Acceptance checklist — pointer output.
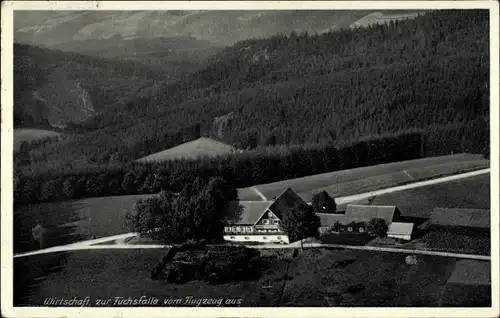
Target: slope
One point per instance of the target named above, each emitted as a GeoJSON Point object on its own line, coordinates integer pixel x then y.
{"type": "Point", "coordinates": [59, 87]}
{"type": "Point", "coordinates": [429, 74]}
{"type": "Point", "coordinates": [222, 27]}
{"type": "Point", "coordinates": [191, 150]}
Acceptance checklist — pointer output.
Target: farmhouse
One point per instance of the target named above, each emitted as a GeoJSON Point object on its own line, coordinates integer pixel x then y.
{"type": "Point", "coordinates": [260, 221]}
{"type": "Point", "coordinates": [356, 218]}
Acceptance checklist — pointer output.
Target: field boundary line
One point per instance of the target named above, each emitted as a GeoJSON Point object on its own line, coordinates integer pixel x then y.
{"type": "Point", "coordinates": [263, 197]}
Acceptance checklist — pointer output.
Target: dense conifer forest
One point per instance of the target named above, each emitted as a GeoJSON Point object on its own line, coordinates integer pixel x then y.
{"type": "Point", "coordinates": [301, 104]}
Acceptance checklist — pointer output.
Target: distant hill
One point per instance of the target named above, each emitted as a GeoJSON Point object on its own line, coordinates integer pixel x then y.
{"type": "Point", "coordinates": [429, 73]}
{"type": "Point", "coordinates": [54, 87]}
{"type": "Point", "coordinates": [191, 150]}
{"type": "Point", "coordinates": [62, 28]}
{"type": "Point", "coordinates": [28, 135]}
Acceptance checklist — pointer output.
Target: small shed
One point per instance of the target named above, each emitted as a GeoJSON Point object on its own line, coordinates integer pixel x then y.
{"type": "Point", "coordinates": [400, 230]}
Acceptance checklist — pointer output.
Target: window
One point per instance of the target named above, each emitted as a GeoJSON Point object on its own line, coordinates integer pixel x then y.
{"type": "Point", "coordinates": [265, 222]}
{"type": "Point", "coordinates": [233, 229]}
{"type": "Point", "coordinates": [349, 229]}
{"type": "Point", "coordinates": [361, 230]}
{"type": "Point", "coordinates": [226, 229]}
{"type": "Point", "coordinates": [276, 221]}
{"type": "Point", "coordinates": [249, 229]}
{"type": "Point", "coordinates": [238, 229]}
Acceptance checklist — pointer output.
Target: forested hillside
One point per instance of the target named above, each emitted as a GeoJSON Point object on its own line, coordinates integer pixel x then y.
{"type": "Point", "coordinates": [56, 88]}
{"type": "Point", "coordinates": [428, 72]}
{"type": "Point", "coordinates": [413, 89]}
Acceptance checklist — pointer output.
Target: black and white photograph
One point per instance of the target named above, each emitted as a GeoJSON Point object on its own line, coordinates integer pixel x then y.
{"type": "Point", "coordinates": [274, 156]}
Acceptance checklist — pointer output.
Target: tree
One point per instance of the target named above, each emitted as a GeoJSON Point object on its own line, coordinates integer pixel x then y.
{"type": "Point", "coordinates": [196, 213]}
{"type": "Point", "coordinates": [301, 222]}
{"type": "Point", "coordinates": [377, 227]}
{"type": "Point", "coordinates": [69, 187]}
{"type": "Point", "coordinates": [322, 202]}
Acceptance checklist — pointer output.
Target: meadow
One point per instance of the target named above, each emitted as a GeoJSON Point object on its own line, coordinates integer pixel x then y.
{"type": "Point", "coordinates": [74, 220]}
{"type": "Point", "coordinates": [190, 150]}
{"type": "Point", "coordinates": [314, 278]}
{"type": "Point", "coordinates": [30, 134]}
{"type": "Point", "coordinates": [71, 221]}
{"type": "Point", "coordinates": [473, 192]}
{"type": "Point", "coordinates": [359, 180]}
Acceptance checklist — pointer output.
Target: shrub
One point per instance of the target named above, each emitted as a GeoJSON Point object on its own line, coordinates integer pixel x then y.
{"type": "Point", "coordinates": [378, 227]}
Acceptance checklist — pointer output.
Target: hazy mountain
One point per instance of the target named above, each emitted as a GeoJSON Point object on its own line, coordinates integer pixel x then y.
{"type": "Point", "coordinates": [222, 27]}
{"type": "Point", "coordinates": [171, 43]}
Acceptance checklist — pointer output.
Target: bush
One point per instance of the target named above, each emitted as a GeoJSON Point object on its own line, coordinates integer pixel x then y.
{"type": "Point", "coordinates": [215, 267]}
{"type": "Point", "coordinates": [377, 227]}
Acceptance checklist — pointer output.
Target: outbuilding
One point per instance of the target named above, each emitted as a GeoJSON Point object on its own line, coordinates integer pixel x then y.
{"type": "Point", "coordinates": [400, 230]}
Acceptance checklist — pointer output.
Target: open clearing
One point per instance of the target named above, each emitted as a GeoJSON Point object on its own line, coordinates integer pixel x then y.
{"type": "Point", "coordinates": [29, 134]}
{"type": "Point", "coordinates": [473, 192]}
{"type": "Point", "coordinates": [347, 182]}
{"type": "Point", "coordinates": [70, 221]}
{"type": "Point", "coordinates": [314, 278]}
{"type": "Point", "coordinates": [190, 150]}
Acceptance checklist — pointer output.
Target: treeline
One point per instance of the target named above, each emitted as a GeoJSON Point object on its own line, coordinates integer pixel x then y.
{"type": "Point", "coordinates": [22, 155]}
{"type": "Point", "coordinates": [241, 170]}
{"type": "Point", "coordinates": [307, 89]}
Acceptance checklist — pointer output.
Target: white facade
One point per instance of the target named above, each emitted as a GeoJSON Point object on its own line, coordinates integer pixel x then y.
{"type": "Point", "coordinates": [400, 230]}
{"type": "Point", "coordinates": [280, 238]}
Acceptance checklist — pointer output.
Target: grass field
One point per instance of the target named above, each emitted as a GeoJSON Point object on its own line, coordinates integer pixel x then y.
{"type": "Point", "coordinates": [468, 285]}
{"type": "Point", "coordinates": [314, 278]}
{"type": "Point", "coordinates": [353, 181]}
{"type": "Point", "coordinates": [70, 221]}
{"type": "Point", "coordinates": [190, 150]}
{"type": "Point", "coordinates": [28, 134]}
{"type": "Point", "coordinates": [473, 192]}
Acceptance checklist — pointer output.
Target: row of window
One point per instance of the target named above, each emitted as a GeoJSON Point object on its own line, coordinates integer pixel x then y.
{"type": "Point", "coordinates": [349, 229]}
{"type": "Point", "coordinates": [247, 238]}
{"type": "Point", "coordinates": [246, 229]}
{"type": "Point", "coordinates": [266, 221]}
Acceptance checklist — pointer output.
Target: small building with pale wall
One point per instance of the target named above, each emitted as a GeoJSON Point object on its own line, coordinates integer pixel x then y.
{"type": "Point", "coordinates": [356, 218]}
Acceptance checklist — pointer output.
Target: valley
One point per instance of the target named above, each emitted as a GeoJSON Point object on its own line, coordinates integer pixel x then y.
{"type": "Point", "coordinates": [306, 158]}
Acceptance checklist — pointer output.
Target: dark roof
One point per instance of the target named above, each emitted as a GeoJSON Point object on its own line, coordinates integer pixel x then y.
{"type": "Point", "coordinates": [359, 213]}
{"type": "Point", "coordinates": [249, 212]}
{"type": "Point", "coordinates": [364, 213]}
{"type": "Point", "coordinates": [329, 219]}
{"type": "Point", "coordinates": [286, 202]}
{"type": "Point", "coordinates": [461, 217]}
{"type": "Point", "coordinates": [246, 212]}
